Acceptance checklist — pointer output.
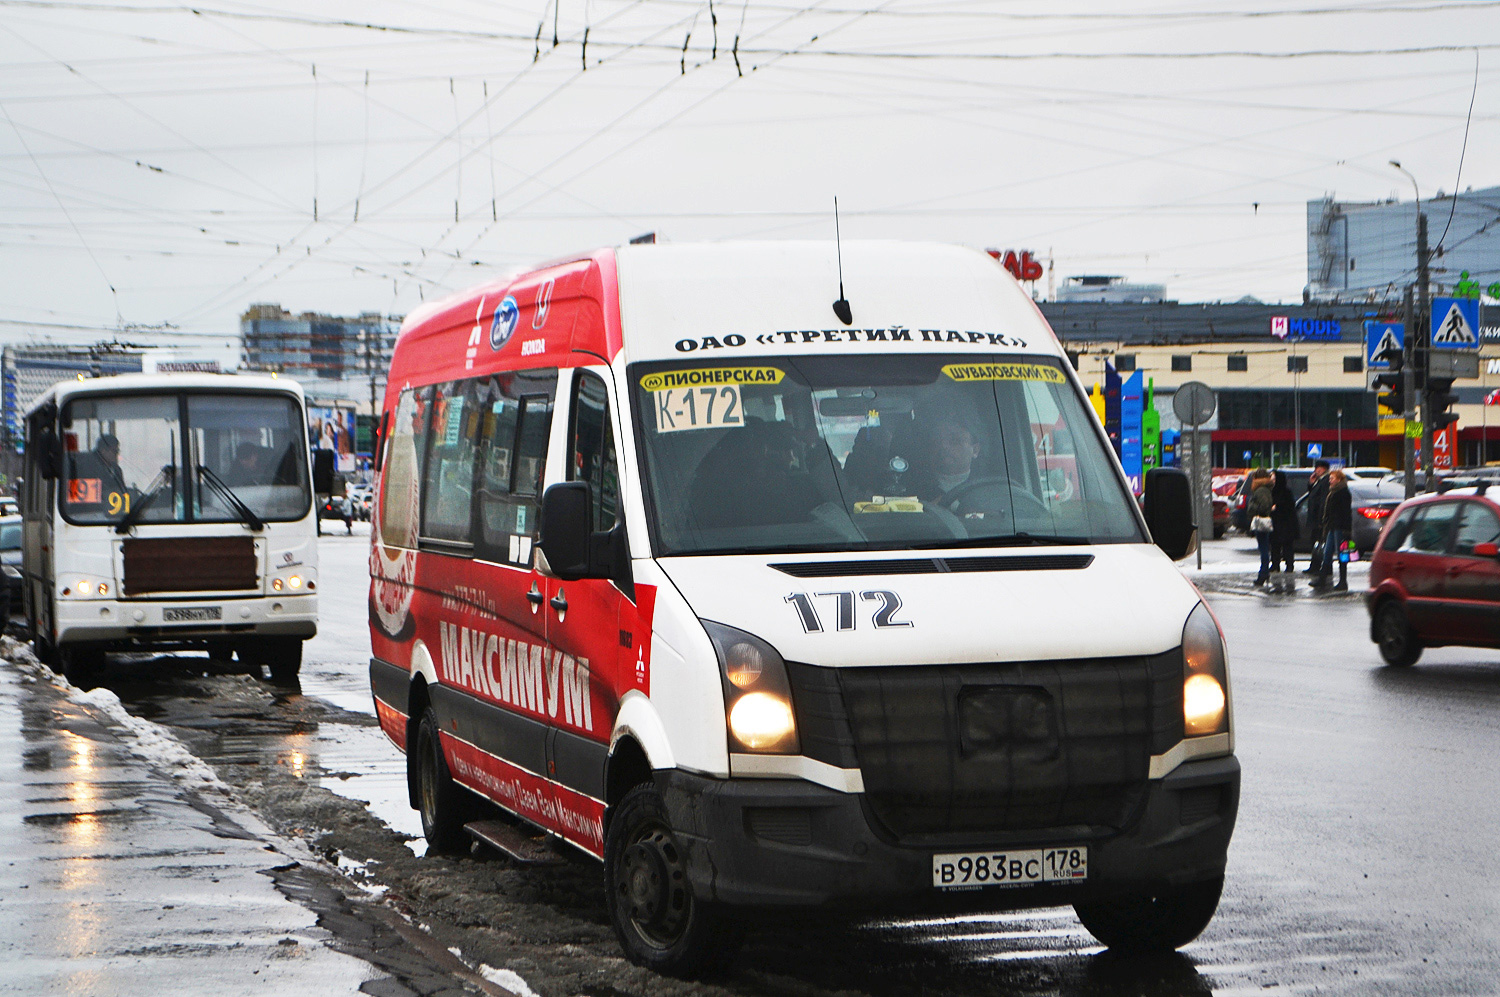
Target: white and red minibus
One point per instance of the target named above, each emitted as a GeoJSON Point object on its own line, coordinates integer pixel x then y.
{"type": "Point", "coordinates": [768, 600]}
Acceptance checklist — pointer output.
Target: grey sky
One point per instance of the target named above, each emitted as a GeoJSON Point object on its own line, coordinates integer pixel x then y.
{"type": "Point", "coordinates": [177, 156]}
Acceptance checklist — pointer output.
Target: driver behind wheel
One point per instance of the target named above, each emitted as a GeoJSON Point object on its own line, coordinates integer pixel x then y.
{"type": "Point", "coordinates": [945, 463]}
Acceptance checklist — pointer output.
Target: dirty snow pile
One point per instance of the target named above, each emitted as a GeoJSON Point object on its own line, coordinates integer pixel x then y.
{"type": "Point", "coordinates": [150, 742]}
{"type": "Point", "coordinates": [507, 978]}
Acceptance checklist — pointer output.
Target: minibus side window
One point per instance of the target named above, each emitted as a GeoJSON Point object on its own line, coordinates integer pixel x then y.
{"type": "Point", "coordinates": [516, 414]}
{"type": "Point", "coordinates": [448, 481]}
{"type": "Point", "coordinates": [399, 495]}
{"type": "Point", "coordinates": [593, 450]}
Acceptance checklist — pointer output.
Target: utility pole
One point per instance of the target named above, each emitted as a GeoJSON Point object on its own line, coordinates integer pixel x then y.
{"type": "Point", "coordinates": [1409, 391]}
{"type": "Point", "coordinates": [1422, 333]}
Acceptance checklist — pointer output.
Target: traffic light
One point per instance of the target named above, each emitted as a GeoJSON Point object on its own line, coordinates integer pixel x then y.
{"type": "Point", "coordinates": [1440, 398]}
{"type": "Point", "coordinates": [1390, 385]}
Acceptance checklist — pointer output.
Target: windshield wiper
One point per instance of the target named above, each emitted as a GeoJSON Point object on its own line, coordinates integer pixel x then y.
{"type": "Point", "coordinates": [1022, 539]}
{"type": "Point", "coordinates": [228, 495]}
{"type": "Point", "coordinates": [164, 477]}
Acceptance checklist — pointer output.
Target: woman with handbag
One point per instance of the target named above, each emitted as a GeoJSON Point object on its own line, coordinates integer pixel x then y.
{"type": "Point", "coordinates": [1258, 508]}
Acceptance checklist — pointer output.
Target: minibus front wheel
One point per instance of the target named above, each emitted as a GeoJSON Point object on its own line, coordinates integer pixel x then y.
{"type": "Point", "coordinates": [1158, 922]}
{"type": "Point", "coordinates": [659, 922]}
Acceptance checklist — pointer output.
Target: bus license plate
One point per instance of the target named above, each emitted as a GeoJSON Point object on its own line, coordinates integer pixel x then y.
{"type": "Point", "coordinates": [192, 614]}
{"type": "Point", "coordinates": [972, 870]}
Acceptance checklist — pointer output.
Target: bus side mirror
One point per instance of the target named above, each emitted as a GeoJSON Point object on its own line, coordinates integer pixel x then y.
{"type": "Point", "coordinates": [1486, 550]}
{"type": "Point", "coordinates": [1169, 511]}
{"type": "Point", "coordinates": [565, 529]}
{"type": "Point", "coordinates": [323, 461]}
{"type": "Point", "coordinates": [50, 463]}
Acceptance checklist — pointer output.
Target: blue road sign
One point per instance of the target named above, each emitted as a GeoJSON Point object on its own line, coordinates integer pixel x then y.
{"type": "Point", "coordinates": [1455, 323]}
{"type": "Point", "coordinates": [1314, 451]}
{"type": "Point", "coordinates": [1380, 336]}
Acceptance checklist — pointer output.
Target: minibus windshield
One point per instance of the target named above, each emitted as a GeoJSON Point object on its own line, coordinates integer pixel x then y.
{"type": "Point", "coordinates": [162, 458]}
{"type": "Point", "coordinates": [861, 452]}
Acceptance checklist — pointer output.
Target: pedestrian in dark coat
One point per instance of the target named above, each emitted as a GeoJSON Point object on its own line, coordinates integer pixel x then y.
{"type": "Point", "coordinates": [1338, 519]}
{"type": "Point", "coordinates": [1258, 510]}
{"type": "Point", "coordinates": [1317, 498]}
{"type": "Point", "coordinates": [1283, 523]}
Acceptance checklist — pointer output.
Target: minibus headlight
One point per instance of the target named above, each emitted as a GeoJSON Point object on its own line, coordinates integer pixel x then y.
{"type": "Point", "coordinates": [277, 585]}
{"type": "Point", "coordinates": [1205, 676]}
{"type": "Point", "coordinates": [295, 581]}
{"type": "Point", "coordinates": [83, 587]}
{"type": "Point", "coordinates": [757, 696]}
{"type": "Point", "coordinates": [103, 588]}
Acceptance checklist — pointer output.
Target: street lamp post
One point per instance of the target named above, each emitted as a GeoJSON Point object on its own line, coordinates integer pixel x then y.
{"type": "Point", "coordinates": [1414, 320]}
{"type": "Point", "coordinates": [1341, 435]}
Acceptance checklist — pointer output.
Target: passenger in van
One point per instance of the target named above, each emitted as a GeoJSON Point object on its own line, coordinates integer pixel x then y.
{"type": "Point", "coordinates": [753, 477]}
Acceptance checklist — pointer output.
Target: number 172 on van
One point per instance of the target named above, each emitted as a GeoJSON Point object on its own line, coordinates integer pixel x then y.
{"type": "Point", "coordinates": [971, 870]}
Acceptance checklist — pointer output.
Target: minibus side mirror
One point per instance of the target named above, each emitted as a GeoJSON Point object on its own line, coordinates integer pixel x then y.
{"type": "Point", "coordinates": [565, 529]}
{"type": "Point", "coordinates": [572, 550]}
{"type": "Point", "coordinates": [1169, 511]}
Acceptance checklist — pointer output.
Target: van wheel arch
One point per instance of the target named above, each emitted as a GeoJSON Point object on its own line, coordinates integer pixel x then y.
{"type": "Point", "coordinates": [626, 768]}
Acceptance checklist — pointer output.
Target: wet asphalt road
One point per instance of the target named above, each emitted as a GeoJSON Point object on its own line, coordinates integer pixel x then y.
{"type": "Point", "coordinates": [1364, 861]}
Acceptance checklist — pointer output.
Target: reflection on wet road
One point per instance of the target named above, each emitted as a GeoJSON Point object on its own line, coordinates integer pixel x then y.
{"type": "Point", "coordinates": [1360, 865]}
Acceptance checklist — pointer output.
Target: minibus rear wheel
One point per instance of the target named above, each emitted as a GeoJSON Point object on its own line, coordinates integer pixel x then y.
{"type": "Point", "coordinates": [1159, 922]}
{"type": "Point", "coordinates": [659, 922]}
{"type": "Point", "coordinates": [444, 805]}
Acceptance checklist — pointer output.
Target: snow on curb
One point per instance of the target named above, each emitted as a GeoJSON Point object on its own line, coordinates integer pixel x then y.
{"type": "Point", "coordinates": [152, 743]}
{"type": "Point", "coordinates": [507, 978]}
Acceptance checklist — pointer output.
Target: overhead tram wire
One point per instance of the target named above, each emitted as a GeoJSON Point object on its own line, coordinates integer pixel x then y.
{"type": "Point", "coordinates": [1468, 120]}
{"type": "Point", "coordinates": [114, 294]}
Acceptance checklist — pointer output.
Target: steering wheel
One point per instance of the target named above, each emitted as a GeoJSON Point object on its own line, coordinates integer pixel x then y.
{"type": "Point", "coordinates": [991, 494]}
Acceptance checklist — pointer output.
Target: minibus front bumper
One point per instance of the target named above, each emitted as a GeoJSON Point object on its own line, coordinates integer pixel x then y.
{"type": "Point", "coordinates": [791, 843]}
{"type": "Point", "coordinates": [129, 623]}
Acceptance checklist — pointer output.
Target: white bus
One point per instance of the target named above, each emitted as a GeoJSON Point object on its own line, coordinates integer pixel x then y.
{"type": "Point", "coordinates": [170, 511]}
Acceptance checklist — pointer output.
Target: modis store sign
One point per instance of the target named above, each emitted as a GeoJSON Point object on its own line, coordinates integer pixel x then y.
{"type": "Point", "coordinates": [1283, 327]}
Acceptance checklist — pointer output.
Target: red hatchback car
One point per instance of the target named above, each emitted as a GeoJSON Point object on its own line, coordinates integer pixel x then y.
{"type": "Point", "coordinates": [1435, 576]}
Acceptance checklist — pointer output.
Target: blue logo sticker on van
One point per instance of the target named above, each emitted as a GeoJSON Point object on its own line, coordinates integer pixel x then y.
{"type": "Point", "coordinates": [507, 314]}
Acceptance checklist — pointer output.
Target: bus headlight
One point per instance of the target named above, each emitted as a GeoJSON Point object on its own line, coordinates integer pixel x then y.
{"type": "Point", "coordinates": [1205, 676]}
{"type": "Point", "coordinates": [757, 695]}
{"type": "Point", "coordinates": [294, 582]}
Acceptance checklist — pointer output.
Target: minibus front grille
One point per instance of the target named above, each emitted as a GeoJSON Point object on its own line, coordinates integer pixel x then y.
{"type": "Point", "coordinates": [188, 564]}
{"type": "Point", "coordinates": [961, 751]}
{"type": "Point", "coordinates": [936, 565]}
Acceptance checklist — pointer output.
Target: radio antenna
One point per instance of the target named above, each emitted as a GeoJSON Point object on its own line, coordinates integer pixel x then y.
{"type": "Point", "coordinates": [840, 307]}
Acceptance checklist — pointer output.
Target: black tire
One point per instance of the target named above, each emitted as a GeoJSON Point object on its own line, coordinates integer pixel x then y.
{"type": "Point", "coordinates": [284, 659]}
{"type": "Point", "coordinates": [659, 923]}
{"type": "Point", "coordinates": [81, 665]}
{"type": "Point", "coordinates": [46, 653]}
{"type": "Point", "coordinates": [1398, 642]}
{"type": "Point", "coordinates": [444, 805]}
{"type": "Point", "coordinates": [221, 651]}
{"type": "Point", "coordinates": [1159, 923]}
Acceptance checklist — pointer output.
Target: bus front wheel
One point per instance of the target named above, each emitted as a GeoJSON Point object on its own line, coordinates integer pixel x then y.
{"type": "Point", "coordinates": [81, 665]}
{"type": "Point", "coordinates": [282, 656]}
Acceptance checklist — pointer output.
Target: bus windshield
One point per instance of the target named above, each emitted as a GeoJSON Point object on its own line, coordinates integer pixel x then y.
{"type": "Point", "coordinates": [196, 457]}
{"type": "Point", "coordinates": [862, 452]}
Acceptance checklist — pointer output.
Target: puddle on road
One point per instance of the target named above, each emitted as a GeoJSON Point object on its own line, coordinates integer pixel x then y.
{"type": "Point", "coordinates": [312, 735]}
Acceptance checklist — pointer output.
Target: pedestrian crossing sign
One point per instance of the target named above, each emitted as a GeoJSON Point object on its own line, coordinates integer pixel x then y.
{"type": "Point", "coordinates": [1379, 338]}
{"type": "Point", "coordinates": [1455, 323]}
